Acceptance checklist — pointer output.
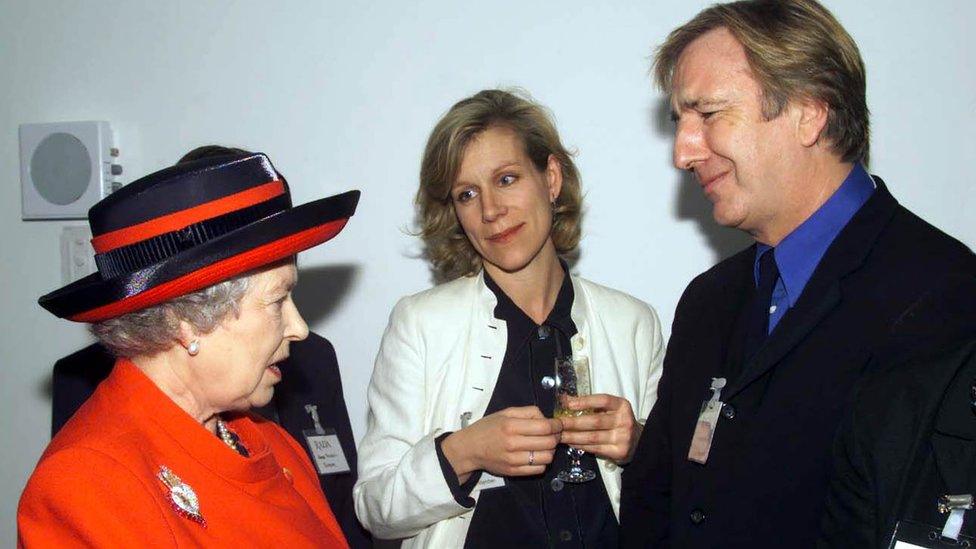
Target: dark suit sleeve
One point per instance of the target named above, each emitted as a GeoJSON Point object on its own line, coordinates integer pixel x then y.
{"type": "Point", "coordinates": [849, 518]}
{"type": "Point", "coordinates": [645, 495]}
{"type": "Point", "coordinates": [316, 380]}
{"type": "Point", "coordinates": [74, 379]}
{"type": "Point", "coordinates": [860, 505]}
{"type": "Point", "coordinates": [645, 498]}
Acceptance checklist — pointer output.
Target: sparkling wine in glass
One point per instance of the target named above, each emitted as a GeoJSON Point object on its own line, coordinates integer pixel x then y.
{"type": "Point", "coordinates": [572, 380]}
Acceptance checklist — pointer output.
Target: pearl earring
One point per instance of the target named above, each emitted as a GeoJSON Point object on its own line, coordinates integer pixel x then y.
{"type": "Point", "coordinates": [193, 348]}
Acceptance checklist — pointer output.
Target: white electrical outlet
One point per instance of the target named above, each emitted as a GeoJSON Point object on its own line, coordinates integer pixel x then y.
{"type": "Point", "coordinates": [77, 255]}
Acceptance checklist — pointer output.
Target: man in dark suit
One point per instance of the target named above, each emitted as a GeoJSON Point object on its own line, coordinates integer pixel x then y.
{"type": "Point", "coordinates": [312, 378]}
{"type": "Point", "coordinates": [909, 440]}
{"type": "Point", "coordinates": [771, 117]}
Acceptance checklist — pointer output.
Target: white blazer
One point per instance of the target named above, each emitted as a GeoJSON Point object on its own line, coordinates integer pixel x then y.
{"type": "Point", "coordinates": [439, 358]}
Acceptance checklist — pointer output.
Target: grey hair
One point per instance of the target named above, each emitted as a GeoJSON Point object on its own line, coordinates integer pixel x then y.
{"type": "Point", "coordinates": [154, 329]}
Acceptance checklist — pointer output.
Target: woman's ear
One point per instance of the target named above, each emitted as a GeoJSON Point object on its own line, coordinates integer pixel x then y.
{"type": "Point", "coordinates": [188, 337]}
{"type": "Point", "coordinates": [554, 177]}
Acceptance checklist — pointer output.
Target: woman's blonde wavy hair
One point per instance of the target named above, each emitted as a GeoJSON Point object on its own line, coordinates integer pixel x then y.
{"type": "Point", "coordinates": [446, 246]}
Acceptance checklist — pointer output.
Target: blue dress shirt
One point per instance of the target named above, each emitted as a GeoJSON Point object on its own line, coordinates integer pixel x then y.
{"type": "Point", "coordinates": [798, 255]}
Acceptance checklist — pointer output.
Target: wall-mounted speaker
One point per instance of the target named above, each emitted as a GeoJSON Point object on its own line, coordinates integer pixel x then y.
{"type": "Point", "coordinates": [65, 168]}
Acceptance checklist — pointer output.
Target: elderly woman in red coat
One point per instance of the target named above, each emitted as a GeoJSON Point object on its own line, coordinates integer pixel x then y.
{"type": "Point", "coordinates": [196, 268]}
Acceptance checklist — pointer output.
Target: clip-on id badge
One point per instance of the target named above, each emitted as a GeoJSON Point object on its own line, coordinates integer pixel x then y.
{"type": "Point", "coordinates": [909, 534]}
{"type": "Point", "coordinates": [701, 441]}
{"type": "Point", "coordinates": [915, 535]}
{"type": "Point", "coordinates": [325, 447]}
{"type": "Point", "coordinates": [487, 481]}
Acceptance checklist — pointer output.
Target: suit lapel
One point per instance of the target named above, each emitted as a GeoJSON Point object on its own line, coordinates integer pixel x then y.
{"type": "Point", "coordinates": [788, 334]}
{"type": "Point", "coordinates": [824, 292]}
{"type": "Point", "coordinates": [487, 351]}
{"type": "Point", "coordinates": [737, 291]}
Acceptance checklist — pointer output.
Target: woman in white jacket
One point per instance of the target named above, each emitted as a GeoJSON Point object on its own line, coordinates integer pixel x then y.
{"type": "Point", "coordinates": [461, 448]}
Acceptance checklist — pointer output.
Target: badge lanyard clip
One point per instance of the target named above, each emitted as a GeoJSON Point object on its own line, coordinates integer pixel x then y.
{"type": "Point", "coordinates": [701, 439]}
{"type": "Point", "coordinates": [313, 411]}
{"type": "Point", "coordinates": [718, 383]}
{"type": "Point", "coordinates": [956, 506]}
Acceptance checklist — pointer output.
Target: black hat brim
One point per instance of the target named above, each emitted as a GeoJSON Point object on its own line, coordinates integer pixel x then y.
{"type": "Point", "coordinates": [93, 298]}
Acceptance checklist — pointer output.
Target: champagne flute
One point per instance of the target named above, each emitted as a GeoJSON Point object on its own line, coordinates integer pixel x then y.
{"type": "Point", "coordinates": [572, 380]}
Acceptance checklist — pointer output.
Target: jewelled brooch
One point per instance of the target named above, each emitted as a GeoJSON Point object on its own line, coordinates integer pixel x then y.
{"type": "Point", "coordinates": [181, 496]}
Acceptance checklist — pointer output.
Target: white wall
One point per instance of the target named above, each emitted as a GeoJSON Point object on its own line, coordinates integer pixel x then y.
{"type": "Point", "coordinates": [342, 95]}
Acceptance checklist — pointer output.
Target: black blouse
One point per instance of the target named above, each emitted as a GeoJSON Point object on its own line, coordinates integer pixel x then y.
{"type": "Point", "coordinates": [538, 511]}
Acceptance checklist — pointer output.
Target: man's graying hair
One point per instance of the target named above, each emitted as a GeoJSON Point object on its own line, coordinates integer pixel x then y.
{"type": "Point", "coordinates": [796, 50]}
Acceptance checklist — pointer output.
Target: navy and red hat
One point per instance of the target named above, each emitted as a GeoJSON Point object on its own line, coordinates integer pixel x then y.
{"type": "Point", "coordinates": [191, 226]}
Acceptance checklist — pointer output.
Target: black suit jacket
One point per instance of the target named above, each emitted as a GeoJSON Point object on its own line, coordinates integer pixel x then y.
{"type": "Point", "coordinates": [909, 438]}
{"type": "Point", "coordinates": [767, 474]}
{"type": "Point", "coordinates": [311, 376]}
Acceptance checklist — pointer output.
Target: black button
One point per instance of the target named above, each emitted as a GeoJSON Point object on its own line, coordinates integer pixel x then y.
{"type": "Point", "coordinates": [544, 332]}
{"type": "Point", "coordinates": [697, 516]}
{"type": "Point", "coordinates": [565, 535]}
{"type": "Point", "coordinates": [556, 485]}
{"type": "Point", "coordinates": [728, 411]}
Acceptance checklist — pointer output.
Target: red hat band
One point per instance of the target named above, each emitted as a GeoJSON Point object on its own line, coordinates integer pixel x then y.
{"type": "Point", "coordinates": [138, 246]}
{"type": "Point", "coordinates": [190, 226]}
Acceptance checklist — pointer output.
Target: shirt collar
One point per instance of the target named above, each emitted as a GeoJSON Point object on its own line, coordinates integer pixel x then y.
{"type": "Point", "coordinates": [798, 255]}
{"type": "Point", "coordinates": [559, 316]}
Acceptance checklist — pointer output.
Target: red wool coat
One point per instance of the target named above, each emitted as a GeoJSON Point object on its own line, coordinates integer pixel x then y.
{"type": "Point", "coordinates": [98, 483]}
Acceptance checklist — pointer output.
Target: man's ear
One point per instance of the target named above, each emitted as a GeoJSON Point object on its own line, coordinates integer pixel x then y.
{"type": "Point", "coordinates": [811, 120]}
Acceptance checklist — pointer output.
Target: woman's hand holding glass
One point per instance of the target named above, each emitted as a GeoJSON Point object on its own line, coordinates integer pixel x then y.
{"type": "Point", "coordinates": [518, 441]}
{"type": "Point", "coordinates": [610, 431]}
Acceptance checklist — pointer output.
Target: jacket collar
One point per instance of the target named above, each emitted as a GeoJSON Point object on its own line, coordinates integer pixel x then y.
{"type": "Point", "coordinates": [485, 350]}
{"type": "Point", "coordinates": [487, 301]}
{"type": "Point", "coordinates": [489, 352]}
{"type": "Point", "coordinates": [151, 411]}
{"type": "Point", "coordinates": [824, 292]}
{"type": "Point", "coordinates": [581, 310]}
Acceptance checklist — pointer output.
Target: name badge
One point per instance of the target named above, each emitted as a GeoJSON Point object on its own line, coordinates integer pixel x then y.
{"type": "Point", "coordinates": [701, 440]}
{"type": "Point", "coordinates": [488, 481]}
{"type": "Point", "coordinates": [326, 451]}
{"type": "Point", "coordinates": [915, 535]}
